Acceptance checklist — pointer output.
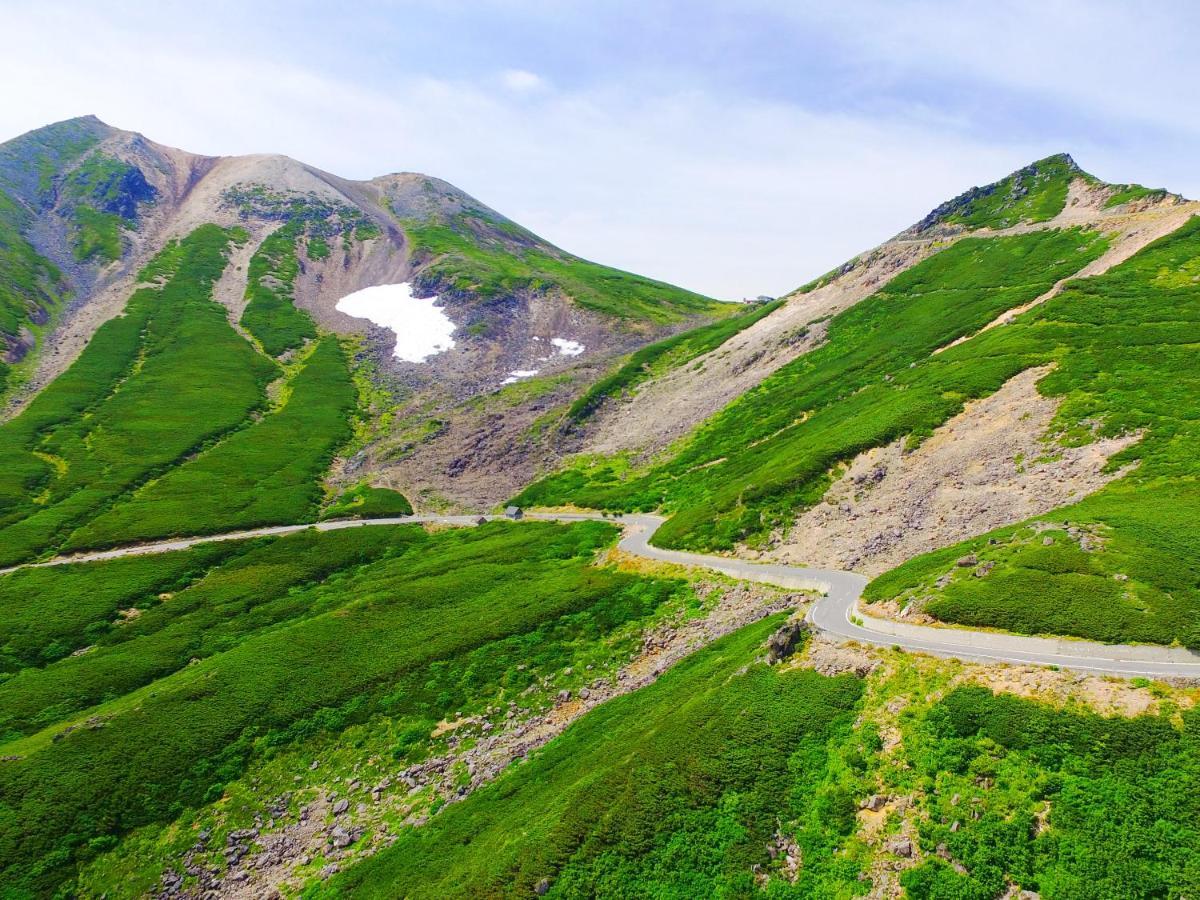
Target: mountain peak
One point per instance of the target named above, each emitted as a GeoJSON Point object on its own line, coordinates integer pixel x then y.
{"type": "Point", "coordinates": [1035, 193]}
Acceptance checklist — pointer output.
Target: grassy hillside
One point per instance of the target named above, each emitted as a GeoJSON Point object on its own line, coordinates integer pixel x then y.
{"type": "Point", "coordinates": [1121, 346]}
{"type": "Point", "coordinates": [748, 469]}
{"type": "Point", "coordinates": [153, 386]}
{"type": "Point", "coordinates": [268, 473]}
{"type": "Point", "coordinates": [1036, 193]}
{"type": "Point", "coordinates": [288, 641]}
{"type": "Point", "coordinates": [489, 259]}
{"type": "Point", "coordinates": [679, 790]}
{"type": "Point", "coordinates": [31, 287]}
{"type": "Point", "coordinates": [104, 196]}
{"type": "Point", "coordinates": [270, 315]}
{"type": "Point", "coordinates": [675, 790]}
{"type": "Point", "coordinates": [164, 425]}
{"type": "Point", "coordinates": [1123, 564]}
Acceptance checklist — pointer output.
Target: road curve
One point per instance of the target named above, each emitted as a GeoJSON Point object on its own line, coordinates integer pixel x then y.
{"type": "Point", "coordinates": [836, 614]}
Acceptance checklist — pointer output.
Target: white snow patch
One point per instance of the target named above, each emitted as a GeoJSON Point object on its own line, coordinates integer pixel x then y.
{"type": "Point", "coordinates": [421, 328]}
{"type": "Point", "coordinates": [567, 347]}
{"type": "Point", "coordinates": [519, 373]}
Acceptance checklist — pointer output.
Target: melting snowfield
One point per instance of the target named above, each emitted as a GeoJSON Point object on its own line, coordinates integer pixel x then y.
{"type": "Point", "coordinates": [421, 328]}
{"type": "Point", "coordinates": [564, 347]}
{"type": "Point", "coordinates": [514, 376]}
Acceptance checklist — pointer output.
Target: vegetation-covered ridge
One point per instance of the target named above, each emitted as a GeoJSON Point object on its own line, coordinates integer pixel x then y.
{"type": "Point", "coordinates": [270, 316]}
{"type": "Point", "coordinates": [472, 255]}
{"type": "Point", "coordinates": [1123, 564]}
{"type": "Point", "coordinates": [153, 386]}
{"type": "Point", "coordinates": [105, 196]}
{"type": "Point", "coordinates": [753, 466]}
{"type": "Point", "coordinates": [31, 288]}
{"type": "Point", "coordinates": [269, 472]}
{"type": "Point", "coordinates": [1036, 193]}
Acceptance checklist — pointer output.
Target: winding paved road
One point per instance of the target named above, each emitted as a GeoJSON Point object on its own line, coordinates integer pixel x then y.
{"type": "Point", "coordinates": [836, 614]}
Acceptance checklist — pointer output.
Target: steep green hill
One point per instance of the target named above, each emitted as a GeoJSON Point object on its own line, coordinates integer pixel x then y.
{"type": "Point", "coordinates": [747, 470]}
{"type": "Point", "coordinates": [1125, 348]}
{"type": "Point", "coordinates": [1035, 193]}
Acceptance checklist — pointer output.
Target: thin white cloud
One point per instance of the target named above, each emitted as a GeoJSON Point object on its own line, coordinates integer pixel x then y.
{"type": "Point", "coordinates": [730, 195]}
{"type": "Point", "coordinates": [522, 81]}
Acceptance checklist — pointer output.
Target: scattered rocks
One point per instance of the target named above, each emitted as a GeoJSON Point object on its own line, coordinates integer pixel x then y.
{"type": "Point", "coordinates": [783, 643]}
{"type": "Point", "coordinates": [340, 807]}
{"type": "Point", "coordinates": [830, 658]}
{"type": "Point", "coordinates": [965, 562]}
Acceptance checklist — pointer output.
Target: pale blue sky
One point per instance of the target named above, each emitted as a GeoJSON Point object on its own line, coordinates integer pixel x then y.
{"type": "Point", "coordinates": [736, 149]}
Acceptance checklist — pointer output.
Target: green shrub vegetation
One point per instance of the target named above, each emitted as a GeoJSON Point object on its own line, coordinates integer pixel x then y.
{"type": "Point", "coordinates": [675, 790]}
{"type": "Point", "coordinates": [268, 473]}
{"type": "Point", "coordinates": [467, 255]}
{"type": "Point", "coordinates": [270, 314]}
{"type": "Point", "coordinates": [97, 235]}
{"type": "Point", "coordinates": [1116, 795]}
{"type": "Point", "coordinates": [1125, 193]}
{"type": "Point", "coordinates": [31, 287]}
{"type": "Point", "coordinates": [664, 355]}
{"type": "Point", "coordinates": [152, 387]}
{"type": "Point", "coordinates": [768, 454]}
{"type": "Point", "coordinates": [106, 194]}
{"type": "Point", "coordinates": [48, 613]}
{"type": "Point", "coordinates": [367, 502]}
{"type": "Point", "coordinates": [292, 639]}
{"type": "Point", "coordinates": [1036, 193]}
{"type": "Point", "coordinates": [1123, 564]}
{"type": "Point", "coordinates": [317, 248]}
{"type": "Point", "coordinates": [30, 163]}
{"type": "Point", "coordinates": [253, 591]}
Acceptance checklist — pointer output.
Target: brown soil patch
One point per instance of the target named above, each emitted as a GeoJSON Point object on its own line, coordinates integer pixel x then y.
{"type": "Point", "coordinates": [986, 467]}
{"type": "Point", "coordinates": [1103, 694]}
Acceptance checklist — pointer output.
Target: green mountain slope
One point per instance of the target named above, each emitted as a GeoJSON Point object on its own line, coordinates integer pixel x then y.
{"type": "Point", "coordinates": [748, 469]}
{"type": "Point", "coordinates": [278, 645]}
{"type": "Point", "coordinates": [1124, 345]}
{"type": "Point", "coordinates": [1118, 566]}
{"type": "Point", "coordinates": [675, 790]}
